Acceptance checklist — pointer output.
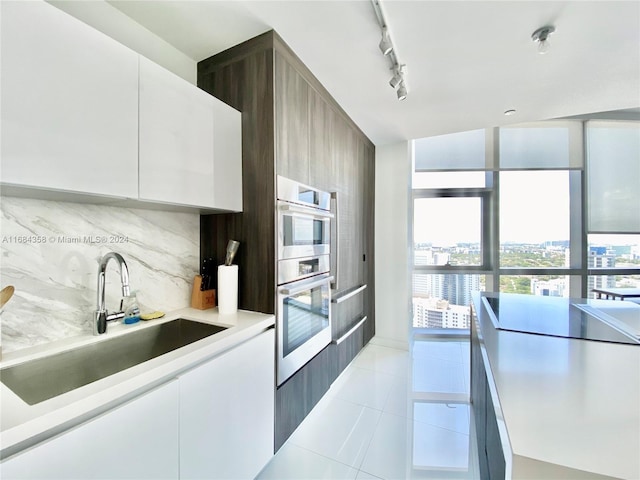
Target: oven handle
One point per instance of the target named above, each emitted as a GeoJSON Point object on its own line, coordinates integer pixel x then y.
{"type": "Point", "coordinates": [307, 285]}
{"type": "Point", "coordinates": [314, 212]}
{"type": "Point", "coordinates": [336, 252]}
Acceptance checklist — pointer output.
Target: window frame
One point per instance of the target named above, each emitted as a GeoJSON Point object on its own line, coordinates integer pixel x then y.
{"type": "Point", "coordinates": [577, 244]}
{"type": "Point", "coordinates": [578, 270]}
{"type": "Point", "coordinates": [485, 195]}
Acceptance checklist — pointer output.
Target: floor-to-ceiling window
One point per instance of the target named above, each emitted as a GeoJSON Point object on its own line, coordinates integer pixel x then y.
{"type": "Point", "coordinates": [613, 203]}
{"type": "Point", "coordinates": [453, 200]}
{"type": "Point", "coordinates": [548, 208]}
{"type": "Point", "coordinates": [450, 253]}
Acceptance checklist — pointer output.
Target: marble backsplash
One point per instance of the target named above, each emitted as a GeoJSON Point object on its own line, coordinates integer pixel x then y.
{"type": "Point", "coordinates": [49, 252]}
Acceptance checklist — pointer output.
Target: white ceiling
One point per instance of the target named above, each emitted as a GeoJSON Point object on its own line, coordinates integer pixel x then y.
{"type": "Point", "coordinates": [467, 61]}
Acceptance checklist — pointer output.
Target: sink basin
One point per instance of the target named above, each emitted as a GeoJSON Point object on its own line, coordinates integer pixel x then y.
{"type": "Point", "coordinates": [48, 377]}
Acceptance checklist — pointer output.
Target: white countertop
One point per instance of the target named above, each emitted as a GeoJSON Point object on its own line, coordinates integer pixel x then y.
{"type": "Point", "coordinates": [22, 425]}
{"type": "Point", "coordinates": [571, 403]}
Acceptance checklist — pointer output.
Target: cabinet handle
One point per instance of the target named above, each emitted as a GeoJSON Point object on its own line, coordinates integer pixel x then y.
{"type": "Point", "coordinates": [351, 330]}
{"type": "Point", "coordinates": [336, 251]}
{"type": "Point", "coordinates": [301, 286]}
{"type": "Point", "coordinates": [348, 295]}
{"type": "Point", "coordinates": [306, 211]}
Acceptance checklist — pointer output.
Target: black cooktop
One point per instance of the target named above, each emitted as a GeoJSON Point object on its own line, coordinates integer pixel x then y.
{"type": "Point", "coordinates": [551, 316]}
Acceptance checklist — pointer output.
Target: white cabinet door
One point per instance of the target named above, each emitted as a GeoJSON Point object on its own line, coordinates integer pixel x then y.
{"type": "Point", "coordinates": [190, 143]}
{"type": "Point", "coordinates": [136, 440]}
{"type": "Point", "coordinates": [227, 144]}
{"type": "Point", "coordinates": [176, 139]}
{"type": "Point", "coordinates": [69, 104]}
{"type": "Point", "coordinates": [227, 413]}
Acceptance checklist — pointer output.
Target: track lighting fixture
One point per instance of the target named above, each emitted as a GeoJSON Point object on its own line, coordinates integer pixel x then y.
{"type": "Point", "coordinates": [398, 76]}
{"type": "Point", "coordinates": [395, 80]}
{"type": "Point", "coordinates": [540, 36]}
{"type": "Point", "coordinates": [385, 44]}
{"type": "Point", "coordinates": [402, 91]}
{"type": "Point", "coordinates": [388, 49]}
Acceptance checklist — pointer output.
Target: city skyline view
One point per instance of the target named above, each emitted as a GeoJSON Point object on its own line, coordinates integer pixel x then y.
{"type": "Point", "coordinates": [441, 300]}
{"type": "Point", "coordinates": [527, 209]}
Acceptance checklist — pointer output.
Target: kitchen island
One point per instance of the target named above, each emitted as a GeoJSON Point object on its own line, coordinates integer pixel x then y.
{"type": "Point", "coordinates": [553, 406]}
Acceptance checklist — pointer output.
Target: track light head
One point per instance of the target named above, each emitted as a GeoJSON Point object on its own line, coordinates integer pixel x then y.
{"type": "Point", "coordinates": [399, 79]}
{"type": "Point", "coordinates": [398, 76]}
{"type": "Point", "coordinates": [385, 44]}
{"type": "Point", "coordinates": [395, 80]}
{"type": "Point", "coordinates": [402, 91]}
{"type": "Point", "coordinates": [541, 36]}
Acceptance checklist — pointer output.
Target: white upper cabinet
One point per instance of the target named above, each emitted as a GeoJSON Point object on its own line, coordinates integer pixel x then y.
{"type": "Point", "coordinates": [69, 104]}
{"type": "Point", "coordinates": [227, 151]}
{"type": "Point", "coordinates": [176, 139]}
{"type": "Point", "coordinates": [82, 113]}
{"type": "Point", "coordinates": [190, 143]}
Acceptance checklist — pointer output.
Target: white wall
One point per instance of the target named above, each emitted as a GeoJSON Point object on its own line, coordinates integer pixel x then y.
{"type": "Point", "coordinates": [393, 282]}
{"type": "Point", "coordinates": [111, 21]}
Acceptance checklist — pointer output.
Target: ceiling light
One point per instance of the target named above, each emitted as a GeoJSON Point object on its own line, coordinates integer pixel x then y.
{"type": "Point", "coordinates": [398, 76]}
{"type": "Point", "coordinates": [399, 79]}
{"type": "Point", "coordinates": [541, 36]}
{"type": "Point", "coordinates": [385, 44]}
{"type": "Point", "coordinates": [402, 91]}
{"type": "Point", "coordinates": [509, 112]}
{"type": "Point", "coordinates": [395, 80]}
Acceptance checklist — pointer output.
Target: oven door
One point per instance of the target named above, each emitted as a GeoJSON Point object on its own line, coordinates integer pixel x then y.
{"type": "Point", "coordinates": [302, 231]}
{"type": "Point", "coordinates": [303, 323]}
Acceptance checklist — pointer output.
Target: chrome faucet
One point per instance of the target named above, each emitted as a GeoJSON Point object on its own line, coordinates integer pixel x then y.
{"type": "Point", "coordinates": [101, 314]}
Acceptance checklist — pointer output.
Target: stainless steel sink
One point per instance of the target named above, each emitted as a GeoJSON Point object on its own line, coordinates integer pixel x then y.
{"type": "Point", "coordinates": [48, 377]}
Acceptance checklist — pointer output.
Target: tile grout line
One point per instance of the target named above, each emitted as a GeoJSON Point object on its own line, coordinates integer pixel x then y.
{"type": "Point", "coordinates": [382, 412]}
{"type": "Point", "coordinates": [366, 450]}
{"type": "Point", "coordinates": [322, 455]}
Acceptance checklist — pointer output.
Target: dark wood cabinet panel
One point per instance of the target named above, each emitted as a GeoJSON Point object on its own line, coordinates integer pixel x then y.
{"type": "Point", "coordinates": [348, 178]}
{"type": "Point", "coordinates": [347, 350]}
{"type": "Point", "coordinates": [245, 85]}
{"type": "Point", "coordinates": [346, 314]}
{"type": "Point", "coordinates": [490, 454]}
{"type": "Point", "coordinates": [348, 329]}
{"type": "Point", "coordinates": [479, 399]}
{"type": "Point", "coordinates": [493, 446]}
{"type": "Point", "coordinates": [293, 127]}
{"type": "Point", "coordinates": [369, 241]}
{"type": "Point", "coordinates": [299, 394]}
{"type": "Point", "coordinates": [292, 122]}
{"type": "Point", "coordinates": [357, 187]}
{"type": "Point", "coordinates": [322, 162]}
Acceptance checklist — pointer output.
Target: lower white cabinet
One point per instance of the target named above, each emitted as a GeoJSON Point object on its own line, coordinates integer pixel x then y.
{"type": "Point", "coordinates": [216, 421]}
{"type": "Point", "coordinates": [136, 440]}
{"type": "Point", "coordinates": [227, 413]}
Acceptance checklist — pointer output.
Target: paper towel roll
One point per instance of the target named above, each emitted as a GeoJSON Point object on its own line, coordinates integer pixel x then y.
{"type": "Point", "coordinates": [227, 289]}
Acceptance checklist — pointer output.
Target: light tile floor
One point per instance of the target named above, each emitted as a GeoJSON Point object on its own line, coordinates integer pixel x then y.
{"type": "Point", "coordinates": [392, 414]}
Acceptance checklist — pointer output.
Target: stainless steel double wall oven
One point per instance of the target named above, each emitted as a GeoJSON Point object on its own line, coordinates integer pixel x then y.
{"type": "Point", "coordinates": [304, 281]}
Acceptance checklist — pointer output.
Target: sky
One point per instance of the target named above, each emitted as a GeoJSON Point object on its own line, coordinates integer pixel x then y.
{"type": "Point", "coordinates": [534, 206]}
{"type": "Point", "coordinates": [528, 213]}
